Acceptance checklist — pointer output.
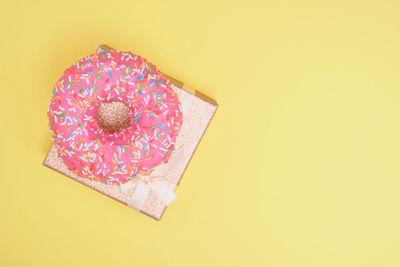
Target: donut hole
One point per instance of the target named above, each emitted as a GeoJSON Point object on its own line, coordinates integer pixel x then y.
{"type": "Point", "coordinates": [113, 117]}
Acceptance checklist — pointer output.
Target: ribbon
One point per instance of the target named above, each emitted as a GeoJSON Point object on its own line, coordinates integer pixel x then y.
{"type": "Point", "coordinates": [155, 182]}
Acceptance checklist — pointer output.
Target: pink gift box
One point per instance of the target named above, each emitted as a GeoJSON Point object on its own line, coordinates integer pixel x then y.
{"type": "Point", "coordinates": [143, 194]}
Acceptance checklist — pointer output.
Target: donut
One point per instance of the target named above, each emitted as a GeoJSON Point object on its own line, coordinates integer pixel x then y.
{"type": "Point", "coordinates": [113, 115]}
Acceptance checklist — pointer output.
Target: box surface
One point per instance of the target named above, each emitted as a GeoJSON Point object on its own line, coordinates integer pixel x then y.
{"type": "Point", "coordinates": [198, 111]}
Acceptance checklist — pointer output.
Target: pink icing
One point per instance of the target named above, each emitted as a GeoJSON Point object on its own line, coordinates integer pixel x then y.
{"type": "Point", "coordinates": [109, 76]}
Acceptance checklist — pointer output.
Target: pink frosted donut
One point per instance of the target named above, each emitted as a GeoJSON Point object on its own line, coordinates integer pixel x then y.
{"type": "Point", "coordinates": [114, 81]}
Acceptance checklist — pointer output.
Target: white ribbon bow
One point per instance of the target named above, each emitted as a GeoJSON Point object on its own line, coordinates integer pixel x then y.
{"type": "Point", "coordinates": [155, 182]}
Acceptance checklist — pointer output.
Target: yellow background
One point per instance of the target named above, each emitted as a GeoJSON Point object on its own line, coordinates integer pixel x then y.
{"type": "Point", "coordinates": [300, 166]}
